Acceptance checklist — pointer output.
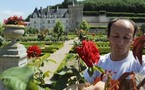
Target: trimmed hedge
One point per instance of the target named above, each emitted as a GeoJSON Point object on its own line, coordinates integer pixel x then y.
{"type": "Point", "coordinates": [124, 14]}
{"type": "Point", "coordinates": [90, 13]}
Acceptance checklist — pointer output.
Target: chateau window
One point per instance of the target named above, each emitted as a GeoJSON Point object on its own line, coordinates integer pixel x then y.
{"type": "Point", "coordinates": [53, 21]}
{"type": "Point", "coordinates": [66, 21]}
{"type": "Point", "coordinates": [43, 21]}
{"type": "Point", "coordinates": [48, 21]}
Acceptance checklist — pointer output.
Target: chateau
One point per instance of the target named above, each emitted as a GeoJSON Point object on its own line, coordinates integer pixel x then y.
{"type": "Point", "coordinates": [71, 17]}
{"type": "Point", "coordinates": [45, 18]}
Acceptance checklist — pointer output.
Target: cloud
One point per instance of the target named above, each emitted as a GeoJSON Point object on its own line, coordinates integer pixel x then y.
{"type": "Point", "coordinates": [7, 13]}
{"type": "Point", "coordinates": [10, 12]}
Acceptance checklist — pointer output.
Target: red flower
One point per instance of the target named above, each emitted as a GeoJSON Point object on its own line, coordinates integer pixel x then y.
{"type": "Point", "coordinates": [33, 51]}
{"type": "Point", "coordinates": [138, 46]}
{"type": "Point", "coordinates": [88, 53]}
{"type": "Point", "coordinates": [14, 20]}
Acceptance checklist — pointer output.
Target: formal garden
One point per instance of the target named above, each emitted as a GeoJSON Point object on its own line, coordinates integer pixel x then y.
{"type": "Point", "coordinates": [39, 46]}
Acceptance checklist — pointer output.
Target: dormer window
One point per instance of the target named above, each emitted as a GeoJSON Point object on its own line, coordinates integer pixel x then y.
{"type": "Point", "coordinates": [48, 21]}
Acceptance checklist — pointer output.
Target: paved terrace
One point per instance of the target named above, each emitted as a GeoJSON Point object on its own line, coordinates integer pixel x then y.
{"type": "Point", "coordinates": [58, 56]}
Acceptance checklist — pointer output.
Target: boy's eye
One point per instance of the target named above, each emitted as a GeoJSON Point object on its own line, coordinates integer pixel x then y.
{"type": "Point", "coordinates": [126, 38]}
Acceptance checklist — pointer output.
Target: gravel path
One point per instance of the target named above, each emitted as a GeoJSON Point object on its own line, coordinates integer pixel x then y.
{"type": "Point", "coordinates": [58, 56]}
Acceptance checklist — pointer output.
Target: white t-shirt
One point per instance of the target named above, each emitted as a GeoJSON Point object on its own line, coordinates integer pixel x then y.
{"type": "Point", "coordinates": [128, 64]}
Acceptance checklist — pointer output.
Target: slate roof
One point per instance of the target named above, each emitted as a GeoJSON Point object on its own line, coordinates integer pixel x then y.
{"type": "Point", "coordinates": [46, 12]}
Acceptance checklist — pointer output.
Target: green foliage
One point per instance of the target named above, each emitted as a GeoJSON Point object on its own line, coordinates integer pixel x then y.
{"type": "Point", "coordinates": [39, 61]}
{"type": "Point", "coordinates": [49, 50]}
{"type": "Point", "coordinates": [142, 27]}
{"type": "Point", "coordinates": [124, 14]}
{"type": "Point", "coordinates": [90, 13]}
{"type": "Point", "coordinates": [115, 5]}
{"type": "Point", "coordinates": [65, 3]}
{"type": "Point", "coordinates": [28, 18]}
{"type": "Point", "coordinates": [84, 25]}
{"type": "Point", "coordinates": [58, 29]}
{"type": "Point", "coordinates": [102, 12]}
{"type": "Point", "coordinates": [28, 77]}
{"type": "Point", "coordinates": [68, 76]}
{"type": "Point", "coordinates": [2, 41]}
{"type": "Point", "coordinates": [1, 28]}
{"type": "Point", "coordinates": [19, 78]}
{"type": "Point", "coordinates": [98, 27]}
{"type": "Point", "coordinates": [68, 73]}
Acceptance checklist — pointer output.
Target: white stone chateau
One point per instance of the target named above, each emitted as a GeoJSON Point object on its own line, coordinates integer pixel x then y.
{"type": "Point", "coordinates": [45, 18]}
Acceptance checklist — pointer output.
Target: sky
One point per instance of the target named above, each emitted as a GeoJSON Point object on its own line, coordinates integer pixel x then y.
{"type": "Point", "coordinates": [23, 7]}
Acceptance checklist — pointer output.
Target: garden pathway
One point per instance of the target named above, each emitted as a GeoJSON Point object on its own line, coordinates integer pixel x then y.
{"type": "Point", "coordinates": [58, 56]}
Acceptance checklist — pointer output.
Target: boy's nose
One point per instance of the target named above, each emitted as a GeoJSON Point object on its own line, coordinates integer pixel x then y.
{"type": "Point", "coordinates": [120, 41]}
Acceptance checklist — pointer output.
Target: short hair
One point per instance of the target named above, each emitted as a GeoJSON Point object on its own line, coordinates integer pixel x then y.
{"type": "Point", "coordinates": [116, 19]}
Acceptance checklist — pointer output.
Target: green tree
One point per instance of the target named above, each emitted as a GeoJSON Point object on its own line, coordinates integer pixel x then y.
{"type": "Point", "coordinates": [142, 27]}
{"type": "Point", "coordinates": [28, 18]}
{"type": "Point", "coordinates": [58, 29]}
{"type": "Point", "coordinates": [65, 3]}
{"type": "Point", "coordinates": [136, 6]}
{"type": "Point", "coordinates": [84, 26]}
{"type": "Point", "coordinates": [1, 29]}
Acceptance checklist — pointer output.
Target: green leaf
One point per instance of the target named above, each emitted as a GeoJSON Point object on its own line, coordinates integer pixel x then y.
{"type": "Point", "coordinates": [46, 74]}
{"type": "Point", "coordinates": [42, 64]}
{"type": "Point", "coordinates": [31, 86]}
{"type": "Point", "coordinates": [91, 71]}
{"type": "Point", "coordinates": [101, 70]}
{"type": "Point", "coordinates": [13, 83]}
{"type": "Point", "coordinates": [62, 82]}
{"type": "Point", "coordinates": [17, 78]}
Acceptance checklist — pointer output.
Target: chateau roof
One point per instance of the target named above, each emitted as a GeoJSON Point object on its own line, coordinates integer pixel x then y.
{"type": "Point", "coordinates": [46, 12]}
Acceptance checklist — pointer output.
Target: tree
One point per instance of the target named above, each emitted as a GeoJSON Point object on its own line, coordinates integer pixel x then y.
{"type": "Point", "coordinates": [142, 27]}
{"type": "Point", "coordinates": [1, 29]}
{"type": "Point", "coordinates": [28, 18]}
{"type": "Point", "coordinates": [65, 3]}
{"type": "Point", "coordinates": [84, 26]}
{"type": "Point", "coordinates": [58, 29]}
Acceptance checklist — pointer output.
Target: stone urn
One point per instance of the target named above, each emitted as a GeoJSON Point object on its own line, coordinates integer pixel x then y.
{"type": "Point", "coordinates": [13, 32]}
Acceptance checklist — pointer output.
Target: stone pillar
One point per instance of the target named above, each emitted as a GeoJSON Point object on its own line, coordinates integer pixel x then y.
{"type": "Point", "coordinates": [12, 55]}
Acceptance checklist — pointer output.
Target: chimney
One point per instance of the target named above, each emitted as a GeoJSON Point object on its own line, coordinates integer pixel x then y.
{"type": "Point", "coordinates": [73, 3]}
{"type": "Point", "coordinates": [48, 8]}
{"type": "Point", "coordinates": [57, 8]}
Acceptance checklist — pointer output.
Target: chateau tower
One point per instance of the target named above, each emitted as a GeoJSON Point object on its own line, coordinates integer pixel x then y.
{"type": "Point", "coordinates": [75, 16]}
